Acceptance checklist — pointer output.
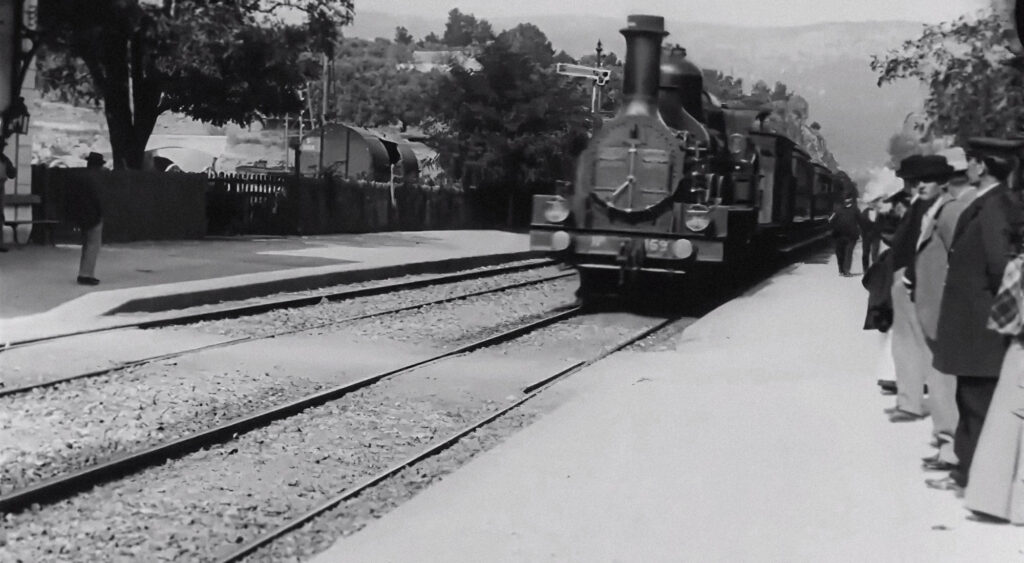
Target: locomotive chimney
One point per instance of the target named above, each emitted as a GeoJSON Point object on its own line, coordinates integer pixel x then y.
{"type": "Point", "coordinates": [643, 58]}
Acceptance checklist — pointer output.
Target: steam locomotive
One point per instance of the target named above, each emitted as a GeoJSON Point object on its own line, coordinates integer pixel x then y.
{"type": "Point", "coordinates": [678, 184]}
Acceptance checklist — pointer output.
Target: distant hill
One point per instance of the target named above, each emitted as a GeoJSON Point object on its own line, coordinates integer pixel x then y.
{"type": "Point", "coordinates": [825, 63]}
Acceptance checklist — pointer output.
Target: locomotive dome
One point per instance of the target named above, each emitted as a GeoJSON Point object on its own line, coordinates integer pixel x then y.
{"type": "Point", "coordinates": [676, 69]}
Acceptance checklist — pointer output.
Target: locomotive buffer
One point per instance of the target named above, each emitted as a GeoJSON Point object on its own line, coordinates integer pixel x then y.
{"type": "Point", "coordinates": [600, 76]}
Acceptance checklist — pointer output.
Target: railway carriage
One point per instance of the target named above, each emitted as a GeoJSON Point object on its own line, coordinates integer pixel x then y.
{"type": "Point", "coordinates": [678, 184]}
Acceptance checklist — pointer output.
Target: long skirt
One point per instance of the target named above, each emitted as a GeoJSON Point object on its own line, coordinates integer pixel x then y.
{"type": "Point", "coordinates": [996, 486]}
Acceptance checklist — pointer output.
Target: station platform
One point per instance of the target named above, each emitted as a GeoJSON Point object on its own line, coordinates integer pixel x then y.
{"type": "Point", "coordinates": [761, 437]}
{"type": "Point", "coordinates": [40, 297]}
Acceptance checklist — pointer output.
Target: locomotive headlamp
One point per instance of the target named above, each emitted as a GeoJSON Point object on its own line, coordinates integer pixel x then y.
{"type": "Point", "coordinates": [557, 210]}
{"type": "Point", "coordinates": [682, 248]}
{"type": "Point", "coordinates": [698, 218]}
{"type": "Point", "coordinates": [737, 143]}
{"type": "Point", "coordinates": [560, 241]}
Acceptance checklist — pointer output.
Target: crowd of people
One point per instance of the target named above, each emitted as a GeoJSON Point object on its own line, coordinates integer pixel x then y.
{"type": "Point", "coordinates": [948, 294]}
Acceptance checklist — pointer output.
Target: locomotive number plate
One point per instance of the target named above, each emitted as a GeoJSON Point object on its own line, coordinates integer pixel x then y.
{"type": "Point", "coordinates": [656, 246]}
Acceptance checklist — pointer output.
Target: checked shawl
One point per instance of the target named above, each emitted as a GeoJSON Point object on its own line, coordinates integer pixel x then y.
{"type": "Point", "coordinates": [1008, 309]}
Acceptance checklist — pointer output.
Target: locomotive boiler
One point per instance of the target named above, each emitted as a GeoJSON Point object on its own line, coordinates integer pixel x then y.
{"type": "Point", "coordinates": [676, 184]}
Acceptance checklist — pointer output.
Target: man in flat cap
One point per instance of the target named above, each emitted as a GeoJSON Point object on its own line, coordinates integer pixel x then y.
{"type": "Point", "coordinates": [964, 347]}
{"type": "Point", "coordinates": [923, 175]}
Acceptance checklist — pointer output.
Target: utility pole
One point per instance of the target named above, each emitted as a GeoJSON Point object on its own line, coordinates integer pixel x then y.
{"type": "Point", "coordinates": [598, 88]}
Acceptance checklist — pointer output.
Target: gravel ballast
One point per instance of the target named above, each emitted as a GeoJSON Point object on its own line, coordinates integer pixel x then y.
{"type": "Point", "coordinates": [52, 431]}
{"type": "Point", "coordinates": [200, 506]}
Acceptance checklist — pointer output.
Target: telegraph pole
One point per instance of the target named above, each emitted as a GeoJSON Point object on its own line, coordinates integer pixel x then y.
{"type": "Point", "coordinates": [598, 88]}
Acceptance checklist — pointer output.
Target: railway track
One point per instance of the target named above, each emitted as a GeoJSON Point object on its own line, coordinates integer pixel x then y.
{"type": "Point", "coordinates": [53, 489]}
{"type": "Point", "coordinates": [529, 393]}
{"type": "Point", "coordinates": [271, 304]}
{"type": "Point", "coordinates": [234, 312]}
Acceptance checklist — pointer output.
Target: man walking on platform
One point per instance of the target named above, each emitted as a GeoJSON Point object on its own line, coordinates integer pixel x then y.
{"type": "Point", "coordinates": [928, 277]}
{"type": "Point", "coordinates": [910, 353]}
{"type": "Point", "coordinates": [964, 346]}
{"type": "Point", "coordinates": [844, 233]}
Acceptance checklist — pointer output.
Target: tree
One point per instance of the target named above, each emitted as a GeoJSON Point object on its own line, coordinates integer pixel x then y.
{"type": "Point", "coordinates": [511, 127]}
{"type": "Point", "coordinates": [371, 90]}
{"type": "Point", "coordinates": [722, 86]}
{"type": "Point", "coordinates": [527, 39]}
{"type": "Point", "coordinates": [402, 36]}
{"type": "Point", "coordinates": [971, 92]}
{"type": "Point", "coordinates": [563, 57]}
{"type": "Point", "coordinates": [464, 29]}
{"type": "Point", "coordinates": [215, 61]}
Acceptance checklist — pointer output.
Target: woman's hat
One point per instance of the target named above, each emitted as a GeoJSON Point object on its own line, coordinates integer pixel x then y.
{"type": "Point", "coordinates": [931, 167]}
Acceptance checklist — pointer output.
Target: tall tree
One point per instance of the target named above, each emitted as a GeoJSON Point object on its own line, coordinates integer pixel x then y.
{"type": "Point", "coordinates": [214, 60]}
{"type": "Point", "coordinates": [527, 39]}
{"type": "Point", "coordinates": [511, 127]}
{"type": "Point", "coordinates": [464, 29]}
{"type": "Point", "coordinates": [402, 36]}
{"type": "Point", "coordinates": [971, 91]}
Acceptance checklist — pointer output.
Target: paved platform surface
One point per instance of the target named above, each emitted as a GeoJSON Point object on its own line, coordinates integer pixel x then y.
{"type": "Point", "coordinates": [760, 438]}
{"type": "Point", "coordinates": [39, 295]}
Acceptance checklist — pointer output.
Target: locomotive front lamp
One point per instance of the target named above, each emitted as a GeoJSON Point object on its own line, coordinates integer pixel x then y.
{"type": "Point", "coordinates": [557, 210]}
{"type": "Point", "coordinates": [560, 241]}
{"type": "Point", "coordinates": [698, 218]}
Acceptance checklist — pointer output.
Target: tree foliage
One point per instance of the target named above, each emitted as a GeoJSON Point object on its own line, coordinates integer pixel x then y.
{"type": "Point", "coordinates": [374, 85]}
{"type": "Point", "coordinates": [214, 60]}
{"type": "Point", "coordinates": [464, 29]}
{"type": "Point", "coordinates": [527, 39]}
{"type": "Point", "coordinates": [971, 91]}
{"type": "Point", "coordinates": [511, 126]}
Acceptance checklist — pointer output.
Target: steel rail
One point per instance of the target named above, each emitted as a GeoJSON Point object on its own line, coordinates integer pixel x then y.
{"type": "Point", "coordinates": [284, 303]}
{"type": "Point", "coordinates": [530, 392]}
{"type": "Point", "coordinates": [243, 339]}
{"type": "Point", "coordinates": [63, 486]}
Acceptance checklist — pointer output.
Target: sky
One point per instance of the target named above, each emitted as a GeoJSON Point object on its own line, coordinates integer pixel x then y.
{"type": "Point", "coordinates": [739, 12]}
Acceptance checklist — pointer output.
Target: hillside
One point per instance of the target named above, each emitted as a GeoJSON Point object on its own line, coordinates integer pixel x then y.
{"type": "Point", "coordinates": [826, 63]}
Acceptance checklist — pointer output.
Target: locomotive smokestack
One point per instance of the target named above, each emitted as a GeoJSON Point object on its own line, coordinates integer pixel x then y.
{"type": "Point", "coordinates": [643, 58]}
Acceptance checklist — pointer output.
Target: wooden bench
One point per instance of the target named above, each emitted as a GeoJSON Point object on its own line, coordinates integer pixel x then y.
{"type": "Point", "coordinates": [35, 201]}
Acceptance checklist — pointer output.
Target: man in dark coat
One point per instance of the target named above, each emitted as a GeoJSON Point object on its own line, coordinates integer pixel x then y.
{"type": "Point", "coordinates": [85, 211]}
{"type": "Point", "coordinates": [964, 347]}
{"type": "Point", "coordinates": [845, 233]}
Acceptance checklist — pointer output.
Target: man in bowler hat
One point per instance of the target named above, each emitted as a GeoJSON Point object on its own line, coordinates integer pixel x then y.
{"type": "Point", "coordinates": [922, 175]}
{"type": "Point", "coordinates": [84, 209]}
{"type": "Point", "coordinates": [845, 232]}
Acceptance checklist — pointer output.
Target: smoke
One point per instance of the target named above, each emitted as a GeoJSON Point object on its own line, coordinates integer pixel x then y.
{"type": "Point", "coordinates": [882, 182]}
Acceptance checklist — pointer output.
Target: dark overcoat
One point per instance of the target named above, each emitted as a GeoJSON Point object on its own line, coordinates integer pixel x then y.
{"type": "Point", "coordinates": [977, 258]}
{"type": "Point", "coordinates": [878, 281]}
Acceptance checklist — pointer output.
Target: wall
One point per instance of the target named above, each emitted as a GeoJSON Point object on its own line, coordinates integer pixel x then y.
{"type": "Point", "coordinates": [137, 205]}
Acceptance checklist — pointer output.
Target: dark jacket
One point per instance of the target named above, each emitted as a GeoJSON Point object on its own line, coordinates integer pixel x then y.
{"type": "Point", "coordinates": [844, 223]}
{"type": "Point", "coordinates": [904, 242]}
{"type": "Point", "coordinates": [979, 254]}
{"type": "Point", "coordinates": [878, 281]}
{"type": "Point", "coordinates": [869, 230]}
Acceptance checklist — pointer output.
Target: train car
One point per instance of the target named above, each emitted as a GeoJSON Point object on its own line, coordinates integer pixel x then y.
{"type": "Point", "coordinates": [676, 184]}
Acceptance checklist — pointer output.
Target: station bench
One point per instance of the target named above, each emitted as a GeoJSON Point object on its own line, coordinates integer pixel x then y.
{"type": "Point", "coordinates": [35, 201]}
